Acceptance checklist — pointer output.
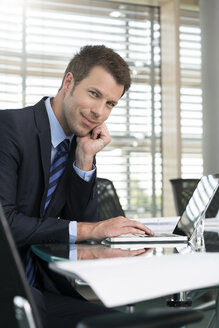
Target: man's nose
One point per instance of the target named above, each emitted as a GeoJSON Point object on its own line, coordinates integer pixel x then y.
{"type": "Point", "coordinates": [98, 109]}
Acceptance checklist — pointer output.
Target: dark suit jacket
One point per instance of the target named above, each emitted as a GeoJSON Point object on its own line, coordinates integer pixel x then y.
{"type": "Point", "coordinates": [25, 155]}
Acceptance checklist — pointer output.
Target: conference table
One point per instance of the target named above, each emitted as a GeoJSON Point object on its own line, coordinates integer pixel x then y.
{"type": "Point", "coordinates": [121, 260]}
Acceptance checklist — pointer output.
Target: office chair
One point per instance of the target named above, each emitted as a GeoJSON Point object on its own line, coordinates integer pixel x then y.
{"type": "Point", "coordinates": [182, 192]}
{"type": "Point", "coordinates": [17, 306]}
{"type": "Point", "coordinates": [213, 208]}
{"type": "Point", "coordinates": [108, 201]}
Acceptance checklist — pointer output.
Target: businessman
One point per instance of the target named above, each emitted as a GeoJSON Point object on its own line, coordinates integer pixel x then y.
{"type": "Point", "coordinates": [47, 161]}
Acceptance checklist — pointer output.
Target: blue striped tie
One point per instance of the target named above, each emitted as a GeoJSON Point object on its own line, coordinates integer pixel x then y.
{"type": "Point", "coordinates": [56, 170]}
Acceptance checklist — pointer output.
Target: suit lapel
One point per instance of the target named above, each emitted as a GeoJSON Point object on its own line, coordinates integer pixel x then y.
{"type": "Point", "coordinates": [59, 198]}
{"type": "Point", "coordinates": [42, 123]}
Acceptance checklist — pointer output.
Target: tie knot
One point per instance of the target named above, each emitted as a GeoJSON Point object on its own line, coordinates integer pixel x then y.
{"type": "Point", "coordinates": [63, 147]}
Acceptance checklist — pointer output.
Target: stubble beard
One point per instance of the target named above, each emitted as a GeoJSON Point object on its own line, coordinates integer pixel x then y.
{"type": "Point", "coordinates": [71, 126]}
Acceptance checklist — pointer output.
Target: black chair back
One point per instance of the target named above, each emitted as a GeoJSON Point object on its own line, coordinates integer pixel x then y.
{"type": "Point", "coordinates": [213, 208]}
{"type": "Point", "coordinates": [108, 201]}
{"type": "Point", "coordinates": [182, 192]}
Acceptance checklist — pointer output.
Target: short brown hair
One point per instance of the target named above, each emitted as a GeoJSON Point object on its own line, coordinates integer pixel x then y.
{"type": "Point", "coordinates": [99, 55]}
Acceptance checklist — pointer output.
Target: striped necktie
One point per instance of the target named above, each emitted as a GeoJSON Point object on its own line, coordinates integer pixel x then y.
{"type": "Point", "coordinates": [56, 170]}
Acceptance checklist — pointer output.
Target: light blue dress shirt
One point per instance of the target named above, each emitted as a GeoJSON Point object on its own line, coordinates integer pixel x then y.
{"type": "Point", "coordinates": [57, 136]}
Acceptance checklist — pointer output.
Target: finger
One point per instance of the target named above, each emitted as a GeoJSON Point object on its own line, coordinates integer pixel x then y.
{"type": "Point", "coordinates": [144, 228]}
{"type": "Point", "coordinates": [149, 231]}
{"type": "Point", "coordinates": [95, 134]}
{"type": "Point", "coordinates": [132, 230]}
{"type": "Point", "coordinates": [98, 132]}
{"type": "Point", "coordinates": [141, 227]}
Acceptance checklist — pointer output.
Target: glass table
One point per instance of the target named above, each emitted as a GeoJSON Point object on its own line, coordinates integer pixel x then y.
{"type": "Point", "coordinates": [91, 250]}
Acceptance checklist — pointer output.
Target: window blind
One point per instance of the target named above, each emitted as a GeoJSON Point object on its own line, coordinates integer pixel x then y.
{"type": "Point", "coordinates": [191, 94]}
{"type": "Point", "coordinates": [38, 38]}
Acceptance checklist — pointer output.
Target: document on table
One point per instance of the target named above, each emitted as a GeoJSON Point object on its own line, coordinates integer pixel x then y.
{"type": "Point", "coordinates": [160, 224]}
{"type": "Point", "coordinates": [121, 281]}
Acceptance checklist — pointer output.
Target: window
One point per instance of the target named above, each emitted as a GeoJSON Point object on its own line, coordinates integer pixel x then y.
{"type": "Point", "coordinates": [191, 94]}
{"type": "Point", "coordinates": [39, 37]}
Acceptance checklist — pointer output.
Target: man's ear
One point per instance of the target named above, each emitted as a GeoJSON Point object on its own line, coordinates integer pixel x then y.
{"type": "Point", "coordinates": [68, 82]}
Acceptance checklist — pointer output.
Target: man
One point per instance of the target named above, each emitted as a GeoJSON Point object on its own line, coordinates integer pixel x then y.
{"type": "Point", "coordinates": [42, 207]}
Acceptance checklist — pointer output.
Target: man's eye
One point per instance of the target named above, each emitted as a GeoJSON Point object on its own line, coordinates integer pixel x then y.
{"type": "Point", "coordinates": [110, 104]}
{"type": "Point", "coordinates": [94, 93]}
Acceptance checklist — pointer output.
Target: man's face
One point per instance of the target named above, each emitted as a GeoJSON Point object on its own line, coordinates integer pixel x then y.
{"type": "Point", "coordinates": [90, 102]}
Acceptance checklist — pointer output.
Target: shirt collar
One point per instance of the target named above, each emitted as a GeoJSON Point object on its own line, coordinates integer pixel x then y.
{"type": "Point", "coordinates": [57, 132]}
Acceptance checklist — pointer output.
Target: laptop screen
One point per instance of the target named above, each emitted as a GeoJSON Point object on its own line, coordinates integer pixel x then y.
{"type": "Point", "coordinates": [198, 205]}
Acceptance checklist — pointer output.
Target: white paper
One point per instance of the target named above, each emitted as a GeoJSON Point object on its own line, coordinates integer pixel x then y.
{"type": "Point", "coordinates": [160, 224]}
{"type": "Point", "coordinates": [121, 281]}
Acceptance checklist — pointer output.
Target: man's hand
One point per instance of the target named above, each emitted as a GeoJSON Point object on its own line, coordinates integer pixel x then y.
{"type": "Point", "coordinates": [110, 228]}
{"type": "Point", "coordinates": [90, 145]}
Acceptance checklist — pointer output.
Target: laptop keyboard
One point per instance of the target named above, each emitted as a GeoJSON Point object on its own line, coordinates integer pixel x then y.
{"type": "Point", "coordinates": [157, 234]}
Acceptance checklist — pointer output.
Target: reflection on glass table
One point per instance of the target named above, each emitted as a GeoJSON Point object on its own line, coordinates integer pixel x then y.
{"type": "Point", "coordinates": [82, 251]}
{"type": "Point", "coordinates": [90, 251]}
{"type": "Point", "coordinates": [85, 251]}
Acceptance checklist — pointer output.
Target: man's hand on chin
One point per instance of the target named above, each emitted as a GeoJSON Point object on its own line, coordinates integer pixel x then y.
{"type": "Point", "coordinates": [89, 145]}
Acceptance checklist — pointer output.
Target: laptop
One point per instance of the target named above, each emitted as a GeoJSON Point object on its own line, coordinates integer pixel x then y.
{"type": "Point", "coordinates": [188, 222]}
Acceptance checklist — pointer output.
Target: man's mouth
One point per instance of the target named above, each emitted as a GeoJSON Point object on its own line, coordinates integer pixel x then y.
{"type": "Point", "coordinates": [88, 121]}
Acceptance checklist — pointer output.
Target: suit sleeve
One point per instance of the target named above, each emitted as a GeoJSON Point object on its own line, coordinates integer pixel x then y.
{"type": "Point", "coordinates": [26, 229]}
{"type": "Point", "coordinates": [82, 198]}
